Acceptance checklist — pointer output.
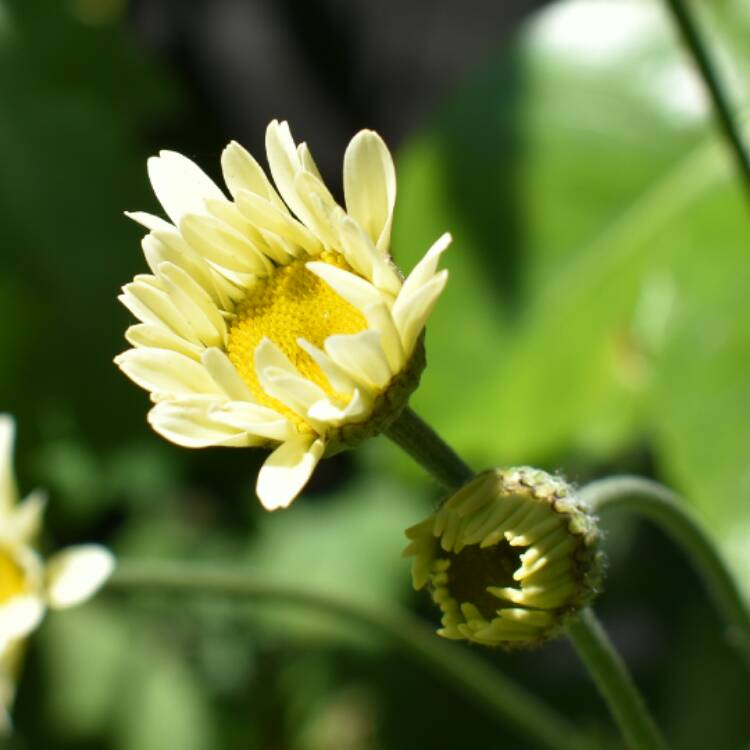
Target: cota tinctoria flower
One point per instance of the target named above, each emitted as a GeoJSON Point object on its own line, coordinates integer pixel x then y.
{"type": "Point", "coordinates": [274, 317]}
{"type": "Point", "coordinates": [507, 558]}
{"type": "Point", "coordinates": [28, 583]}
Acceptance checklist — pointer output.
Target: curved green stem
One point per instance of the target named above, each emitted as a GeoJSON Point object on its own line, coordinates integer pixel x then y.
{"type": "Point", "coordinates": [428, 449]}
{"type": "Point", "coordinates": [606, 667]}
{"type": "Point", "coordinates": [614, 682]}
{"type": "Point", "coordinates": [696, 44]}
{"type": "Point", "coordinates": [664, 507]}
{"type": "Point", "coordinates": [457, 667]}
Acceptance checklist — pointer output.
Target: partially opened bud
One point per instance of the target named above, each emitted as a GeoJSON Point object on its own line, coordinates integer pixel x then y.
{"type": "Point", "coordinates": [507, 558]}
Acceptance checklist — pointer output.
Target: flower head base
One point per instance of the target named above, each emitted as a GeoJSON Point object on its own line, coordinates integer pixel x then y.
{"type": "Point", "coordinates": [28, 584]}
{"type": "Point", "coordinates": [276, 318]}
{"type": "Point", "coordinates": [507, 558]}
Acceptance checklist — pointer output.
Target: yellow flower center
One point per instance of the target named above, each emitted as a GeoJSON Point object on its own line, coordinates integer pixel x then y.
{"type": "Point", "coordinates": [290, 304]}
{"type": "Point", "coordinates": [12, 578]}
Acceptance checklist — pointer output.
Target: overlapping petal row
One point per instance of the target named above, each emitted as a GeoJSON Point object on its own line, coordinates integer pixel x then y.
{"type": "Point", "coordinates": [509, 558]}
{"type": "Point", "coordinates": [272, 316]}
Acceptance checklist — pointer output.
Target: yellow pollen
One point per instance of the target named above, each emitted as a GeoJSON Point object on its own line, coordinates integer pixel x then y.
{"type": "Point", "coordinates": [12, 578]}
{"type": "Point", "coordinates": [289, 304]}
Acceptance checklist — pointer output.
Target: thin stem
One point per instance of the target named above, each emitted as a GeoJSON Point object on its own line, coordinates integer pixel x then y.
{"type": "Point", "coordinates": [698, 48]}
{"type": "Point", "coordinates": [614, 682]}
{"type": "Point", "coordinates": [666, 509]}
{"type": "Point", "coordinates": [429, 450]}
{"type": "Point", "coordinates": [457, 667]}
{"type": "Point", "coordinates": [606, 667]}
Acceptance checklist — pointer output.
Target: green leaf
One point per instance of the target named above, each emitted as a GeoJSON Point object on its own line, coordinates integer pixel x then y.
{"type": "Point", "coordinates": [90, 643]}
{"type": "Point", "coordinates": [349, 544]}
{"type": "Point", "coordinates": [552, 197]}
{"type": "Point", "coordinates": [595, 299]}
{"type": "Point", "coordinates": [701, 398]}
{"type": "Point", "coordinates": [164, 705]}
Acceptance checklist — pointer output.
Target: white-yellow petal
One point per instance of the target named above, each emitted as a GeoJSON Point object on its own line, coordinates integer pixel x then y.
{"type": "Point", "coordinates": [194, 304]}
{"type": "Point", "coordinates": [180, 185]}
{"type": "Point", "coordinates": [307, 161]}
{"type": "Point", "coordinates": [294, 391]}
{"type": "Point", "coordinates": [279, 248]}
{"type": "Point", "coordinates": [161, 247]}
{"type": "Point", "coordinates": [267, 216]}
{"type": "Point", "coordinates": [272, 247]}
{"type": "Point", "coordinates": [19, 616]}
{"type": "Point", "coordinates": [150, 221]}
{"type": "Point", "coordinates": [8, 491]}
{"type": "Point", "coordinates": [352, 288]}
{"type": "Point", "coordinates": [254, 419]}
{"type": "Point", "coordinates": [411, 316]}
{"type": "Point", "coordinates": [151, 304]}
{"type": "Point", "coordinates": [25, 521]}
{"type": "Point", "coordinates": [76, 574]}
{"type": "Point", "coordinates": [224, 373]}
{"type": "Point", "coordinates": [267, 354]}
{"type": "Point", "coordinates": [307, 181]}
{"type": "Point", "coordinates": [425, 270]}
{"type": "Point", "coordinates": [319, 205]}
{"type": "Point", "coordinates": [362, 356]}
{"type": "Point", "coordinates": [221, 244]}
{"type": "Point", "coordinates": [159, 337]}
{"type": "Point", "coordinates": [356, 410]}
{"type": "Point", "coordinates": [365, 258]}
{"type": "Point", "coordinates": [370, 186]}
{"type": "Point", "coordinates": [379, 319]}
{"type": "Point", "coordinates": [337, 377]}
{"type": "Point", "coordinates": [287, 470]}
{"type": "Point", "coordinates": [188, 422]}
{"type": "Point", "coordinates": [167, 374]}
{"type": "Point", "coordinates": [285, 163]}
{"type": "Point", "coordinates": [242, 172]}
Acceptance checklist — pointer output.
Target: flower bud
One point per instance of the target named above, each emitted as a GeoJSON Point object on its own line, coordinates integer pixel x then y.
{"type": "Point", "coordinates": [508, 558]}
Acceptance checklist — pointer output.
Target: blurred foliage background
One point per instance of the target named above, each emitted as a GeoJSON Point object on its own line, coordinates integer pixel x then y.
{"type": "Point", "coordinates": [596, 321]}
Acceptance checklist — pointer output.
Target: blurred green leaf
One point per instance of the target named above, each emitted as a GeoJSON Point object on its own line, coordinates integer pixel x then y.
{"type": "Point", "coordinates": [603, 283]}
{"type": "Point", "coordinates": [701, 398]}
{"type": "Point", "coordinates": [349, 544]}
{"type": "Point", "coordinates": [565, 146]}
{"type": "Point", "coordinates": [163, 705]}
{"type": "Point", "coordinates": [87, 647]}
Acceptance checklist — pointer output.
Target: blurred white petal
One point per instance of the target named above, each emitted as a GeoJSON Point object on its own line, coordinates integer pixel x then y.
{"type": "Point", "coordinates": [287, 470]}
{"type": "Point", "coordinates": [19, 616]}
{"type": "Point", "coordinates": [180, 185]}
{"type": "Point", "coordinates": [370, 186]}
{"type": "Point", "coordinates": [76, 573]}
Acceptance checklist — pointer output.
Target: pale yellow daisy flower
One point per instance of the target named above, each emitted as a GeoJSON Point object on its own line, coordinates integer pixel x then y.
{"type": "Point", "coordinates": [274, 317]}
{"type": "Point", "coordinates": [28, 583]}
